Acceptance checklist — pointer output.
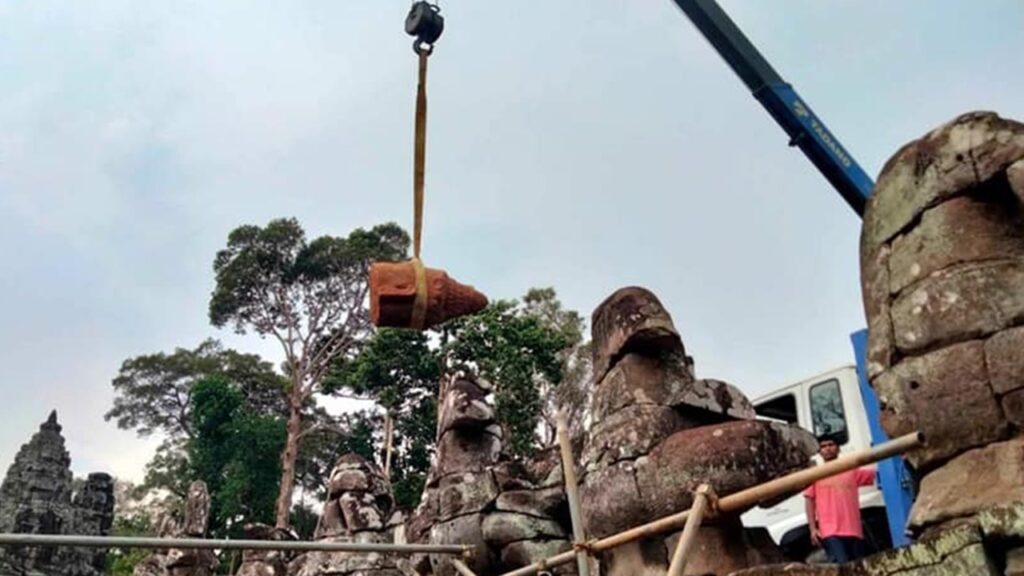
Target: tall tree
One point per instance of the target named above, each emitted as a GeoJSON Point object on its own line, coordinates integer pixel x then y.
{"type": "Point", "coordinates": [236, 453]}
{"type": "Point", "coordinates": [153, 394]}
{"type": "Point", "coordinates": [310, 296]}
{"type": "Point", "coordinates": [398, 370]}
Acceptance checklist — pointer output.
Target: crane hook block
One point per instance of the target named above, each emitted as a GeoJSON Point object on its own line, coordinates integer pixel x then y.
{"type": "Point", "coordinates": [425, 23]}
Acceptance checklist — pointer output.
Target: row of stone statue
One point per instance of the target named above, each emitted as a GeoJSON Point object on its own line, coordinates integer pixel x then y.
{"type": "Point", "coordinates": [943, 281]}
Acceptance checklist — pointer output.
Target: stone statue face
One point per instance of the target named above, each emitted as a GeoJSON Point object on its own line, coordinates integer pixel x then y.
{"type": "Point", "coordinates": [942, 271]}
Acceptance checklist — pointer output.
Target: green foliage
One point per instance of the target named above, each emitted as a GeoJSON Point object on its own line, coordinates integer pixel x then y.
{"type": "Point", "coordinates": [399, 371]}
{"type": "Point", "coordinates": [121, 562]}
{"type": "Point", "coordinates": [152, 391]}
{"type": "Point", "coordinates": [271, 278]}
{"type": "Point", "coordinates": [236, 452]}
{"type": "Point", "coordinates": [522, 349]}
{"type": "Point", "coordinates": [414, 440]}
{"type": "Point", "coordinates": [310, 296]}
{"type": "Point", "coordinates": [514, 350]}
{"type": "Point", "coordinates": [394, 367]}
{"type": "Point", "coordinates": [153, 394]}
{"type": "Point", "coordinates": [571, 395]}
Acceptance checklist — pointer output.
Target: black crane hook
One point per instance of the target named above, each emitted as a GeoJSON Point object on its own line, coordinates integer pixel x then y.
{"type": "Point", "coordinates": [426, 24]}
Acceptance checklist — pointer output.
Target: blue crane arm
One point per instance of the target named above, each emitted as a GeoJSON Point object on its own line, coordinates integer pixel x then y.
{"type": "Point", "coordinates": [823, 149]}
{"type": "Point", "coordinates": [805, 129]}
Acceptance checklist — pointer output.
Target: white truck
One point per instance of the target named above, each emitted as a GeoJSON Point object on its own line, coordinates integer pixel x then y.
{"type": "Point", "coordinates": [829, 403]}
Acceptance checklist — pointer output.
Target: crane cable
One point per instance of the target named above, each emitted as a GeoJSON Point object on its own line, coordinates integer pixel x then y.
{"type": "Point", "coordinates": [426, 24]}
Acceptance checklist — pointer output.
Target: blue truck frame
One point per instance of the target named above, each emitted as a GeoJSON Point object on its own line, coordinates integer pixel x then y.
{"type": "Point", "coordinates": [807, 132]}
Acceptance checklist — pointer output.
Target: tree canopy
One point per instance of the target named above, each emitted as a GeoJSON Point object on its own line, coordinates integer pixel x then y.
{"type": "Point", "coordinates": [399, 371]}
{"type": "Point", "coordinates": [310, 297]}
{"type": "Point", "coordinates": [236, 452]}
{"type": "Point", "coordinates": [153, 394]}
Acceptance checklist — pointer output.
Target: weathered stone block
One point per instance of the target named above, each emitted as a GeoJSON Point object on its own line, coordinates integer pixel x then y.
{"type": "Point", "coordinates": [946, 396]}
{"type": "Point", "coordinates": [463, 406]}
{"type": "Point", "coordinates": [417, 529]}
{"type": "Point", "coordinates": [729, 456]}
{"type": "Point", "coordinates": [1004, 355]}
{"type": "Point", "coordinates": [1003, 522]}
{"type": "Point", "coordinates": [637, 558]}
{"type": "Point", "coordinates": [970, 150]}
{"type": "Point", "coordinates": [1013, 408]}
{"type": "Point", "coordinates": [610, 500]}
{"type": "Point", "coordinates": [630, 433]}
{"type": "Point", "coordinates": [962, 229]}
{"type": "Point", "coordinates": [1015, 177]}
{"type": "Point", "coordinates": [353, 473]}
{"type": "Point", "coordinates": [459, 451]}
{"type": "Point", "coordinates": [500, 528]}
{"type": "Point", "coordinates": [667, 381]}
{"type": "Point", "coordinates": [631, 320]}
{"type": "Point", "coordinates": [526, 552]}
{"type": "Point", "coordinates": [791, 569]}
{"type": "Point", "coordinates": [874, 274]}
{"type": "Point", "coordinates": [466, 493]}
{"type": "Point", "coordinates": [637, 379]}
{"type": "Point", "coordinates": [960, 303]}
{"type": "Point", "coordinates": [544, 503]}
{"type": "Point", "coordinates": [512, 475]}
{"type": "Point", "coordinates": [708, 396]}
{"type": "Point", "coordinates": [1014, 562]}
{"type": "Point", "coordinates": [346, 563]}
{"type": "Point", "coordinates": [953, 553]}
{"type": "Point", "coordinates": [718, 549]}
{"type": "Point", "coordinates": [975, 480]}
{"type": "Point", "coordinates": [463, 530]}
{"type": "Point", "coordinates": [332, 522]}
{"type": "Point", "coordinates": [360, 512]}
{"type": "Point", "coordinates": [265, 562]}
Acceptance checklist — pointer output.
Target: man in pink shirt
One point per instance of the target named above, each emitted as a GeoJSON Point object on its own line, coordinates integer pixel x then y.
{"type": "Point", "coordinates": [833, 508]}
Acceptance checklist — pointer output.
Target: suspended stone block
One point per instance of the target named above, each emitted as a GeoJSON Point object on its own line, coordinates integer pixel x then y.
{"type": "Point", "coordinates": [393, 294]}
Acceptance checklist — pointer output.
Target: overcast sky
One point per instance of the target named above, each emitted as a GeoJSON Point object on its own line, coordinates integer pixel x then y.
{"type": "Point", "coordinates": [581, 144]}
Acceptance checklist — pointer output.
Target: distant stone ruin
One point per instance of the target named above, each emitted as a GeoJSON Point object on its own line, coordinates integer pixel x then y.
{"type": "Point", "coordinates": [36, 498]}
{"type": "Point", "coordinates": [178, 562]}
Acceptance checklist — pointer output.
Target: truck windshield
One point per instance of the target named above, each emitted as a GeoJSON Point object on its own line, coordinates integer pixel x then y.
{"type": "Point", "coordinates": [827, 412]}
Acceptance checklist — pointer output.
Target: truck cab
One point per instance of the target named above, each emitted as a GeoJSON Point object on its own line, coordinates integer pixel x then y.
{"type": "Point", "coordinates": [828, 403]}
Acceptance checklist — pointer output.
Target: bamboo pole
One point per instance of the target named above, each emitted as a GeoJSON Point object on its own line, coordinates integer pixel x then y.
{"type": "Point", "coordinates": [164, 543]}
{"type": "Point", "coordinates": [573, 494]}
{"type": "Point", "coordinates": [462, 568]}
{"type": "Point", "coordinates": [741, 500]}
{"type": "Point", "coordinates": [689, 535]}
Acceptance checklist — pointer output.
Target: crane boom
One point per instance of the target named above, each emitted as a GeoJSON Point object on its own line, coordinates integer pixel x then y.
{"type": "Point", "coordinates": [805, 129]}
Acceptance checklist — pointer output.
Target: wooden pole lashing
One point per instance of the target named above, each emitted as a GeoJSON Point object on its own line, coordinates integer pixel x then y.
{"type": "Point", "coordinates": [741, 500]}
{"type": "Point", "coordinates": [573, 494]}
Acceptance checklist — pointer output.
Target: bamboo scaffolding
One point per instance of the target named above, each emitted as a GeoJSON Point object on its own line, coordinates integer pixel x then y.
{"type": "Point", "coordinates": [573, 494]}
{"type": "Point", "coordinates": [741, 500]}
{"type": "Point", "coordinates": [681, 555]}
